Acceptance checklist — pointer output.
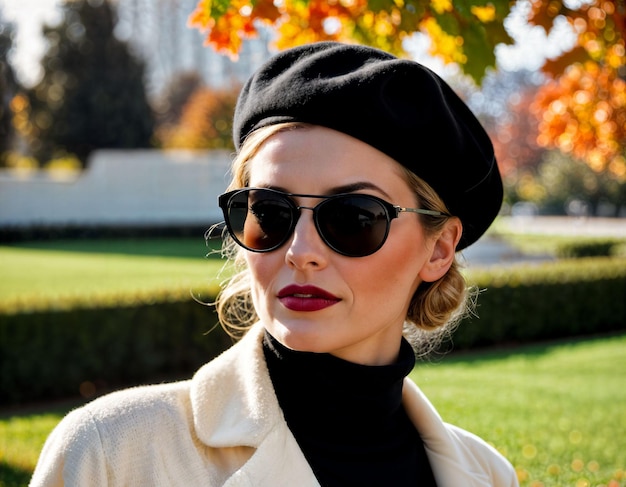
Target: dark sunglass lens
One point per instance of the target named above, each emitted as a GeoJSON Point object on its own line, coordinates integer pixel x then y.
{"type": "Point", "coordinates": [353, 225]}
{"type": "Point", "coordinates": [259, 219]}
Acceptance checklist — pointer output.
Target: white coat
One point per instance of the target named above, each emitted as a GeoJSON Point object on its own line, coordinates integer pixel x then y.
{"type": "Point", "coordinates": [224, 427]}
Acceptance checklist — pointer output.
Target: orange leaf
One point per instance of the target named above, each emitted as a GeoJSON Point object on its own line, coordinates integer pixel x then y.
{"type": "Point", "coordinates": [266, 10]}
{"type": "Point", "coordinates": [543, 13]}
{"type": "Point", "coordinates": [554, 67]}
{"type": "Point", "coordinates": [200, 17]}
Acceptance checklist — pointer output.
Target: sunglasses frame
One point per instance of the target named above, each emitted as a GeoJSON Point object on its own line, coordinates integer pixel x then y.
{"type": "Point", "coordinates": [391, 212]}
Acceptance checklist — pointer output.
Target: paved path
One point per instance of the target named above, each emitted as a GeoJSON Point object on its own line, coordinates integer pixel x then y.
{"type": "Point", "coordinates": [490, 251]}
{"type": "Point", "coordinates": [554, 225]}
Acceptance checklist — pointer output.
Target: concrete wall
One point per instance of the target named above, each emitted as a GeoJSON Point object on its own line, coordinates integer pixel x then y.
{"type": "Point", "coordinates": [146, 187]}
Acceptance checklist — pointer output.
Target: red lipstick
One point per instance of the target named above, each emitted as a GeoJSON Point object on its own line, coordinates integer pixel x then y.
{"type": "Point", "coordinates": [306, 298]}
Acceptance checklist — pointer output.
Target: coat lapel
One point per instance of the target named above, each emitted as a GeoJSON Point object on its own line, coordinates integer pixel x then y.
{"type": "Point", "coordinates": [451, 459]}
{"type": "Point", "coordinates": [234, 405]}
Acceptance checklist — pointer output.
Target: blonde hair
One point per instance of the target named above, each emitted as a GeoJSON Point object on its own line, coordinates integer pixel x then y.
{"type": "Point", "coordinates": [435, 308]}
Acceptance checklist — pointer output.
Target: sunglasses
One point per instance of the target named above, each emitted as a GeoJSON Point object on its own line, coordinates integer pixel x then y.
{"type": "Point", "coordinates": [354, 225]}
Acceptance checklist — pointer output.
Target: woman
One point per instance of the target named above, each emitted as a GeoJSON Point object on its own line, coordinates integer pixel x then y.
{"type": "Point", "coordinates": [357, 178]}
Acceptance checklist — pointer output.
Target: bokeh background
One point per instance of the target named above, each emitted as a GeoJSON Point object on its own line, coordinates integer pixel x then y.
{"type": "Point", "coordinates": [115, 121]}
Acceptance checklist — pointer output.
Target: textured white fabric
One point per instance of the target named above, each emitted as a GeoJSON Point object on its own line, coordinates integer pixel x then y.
{"type": "Point", "coordinates": [224, 427]}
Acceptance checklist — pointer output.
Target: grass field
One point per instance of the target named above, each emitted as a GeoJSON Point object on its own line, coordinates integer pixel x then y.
{"type": "Point", "coordinates": [21, 438]}
{"type": "Point", "coordinates": [48, 270]}
{"type": "Point", "coordinates": [556, 411]}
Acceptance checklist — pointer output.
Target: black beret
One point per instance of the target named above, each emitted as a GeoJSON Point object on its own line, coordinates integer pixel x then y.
{"type": "Point", "coordinates": [397, 106]}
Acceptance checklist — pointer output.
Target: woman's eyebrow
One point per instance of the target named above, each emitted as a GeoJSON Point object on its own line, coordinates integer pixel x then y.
{"type": "Point", "coordinates": [358, 186]}
{"type": "Point", "coordinates": [346, 188]}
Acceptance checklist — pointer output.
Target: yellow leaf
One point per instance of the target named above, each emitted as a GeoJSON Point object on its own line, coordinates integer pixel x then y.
{"type": "Point", "coordinates": [484, 14]}
{"type": "Point", "coordinates": [449, 48]}
{"type": "Point", "coordinates": [441, 6]}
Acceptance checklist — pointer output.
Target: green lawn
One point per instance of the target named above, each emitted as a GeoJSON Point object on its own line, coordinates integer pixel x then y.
{"type": "Point", "coordinates": [48, 270]}
{"type": "Point", "coordinates": [556, 411]}
{"type": "Point", "coordinates": [21, 438]}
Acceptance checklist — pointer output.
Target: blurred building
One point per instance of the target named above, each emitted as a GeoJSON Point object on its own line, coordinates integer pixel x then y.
{"type": "Point", "coordinates": [158, 31]}
{"type": "Point", "coordinates": [138, 188]}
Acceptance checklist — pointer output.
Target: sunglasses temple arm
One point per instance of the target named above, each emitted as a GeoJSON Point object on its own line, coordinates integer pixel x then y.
{"type": "Point", "coordinates": [420, 211]}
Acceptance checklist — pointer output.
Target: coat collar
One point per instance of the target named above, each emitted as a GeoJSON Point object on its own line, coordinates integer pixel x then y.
{"type": "Point", "coordinates": [234, 404]}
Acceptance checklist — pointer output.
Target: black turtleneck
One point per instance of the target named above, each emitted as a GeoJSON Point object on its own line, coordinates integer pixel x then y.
{"type": "Point", "coordinates": [348, 419]}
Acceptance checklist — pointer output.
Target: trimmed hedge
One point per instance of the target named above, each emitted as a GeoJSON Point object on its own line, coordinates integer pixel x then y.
{"type": "Point", "coordinates": [64, 348]}
{"type": "Point", "coordinates": [63, 352]}
{"type": "Point", "coordinates": [18, 233]}
{"type": "Point", "coordinates": [590, 247]}
{"type": "Point", "coordinates": [552, 300]}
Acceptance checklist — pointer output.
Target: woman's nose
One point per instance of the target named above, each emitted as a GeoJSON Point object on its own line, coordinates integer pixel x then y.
{"type": "Point", "coordinates": [306, 248]}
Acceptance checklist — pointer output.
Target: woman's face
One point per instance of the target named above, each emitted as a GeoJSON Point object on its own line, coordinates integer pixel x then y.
{"type": "Point", "coordinates": [311, 298]}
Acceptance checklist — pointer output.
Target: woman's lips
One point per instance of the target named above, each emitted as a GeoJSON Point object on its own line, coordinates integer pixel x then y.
{"type": "Point", "coordinates": [306, 298]}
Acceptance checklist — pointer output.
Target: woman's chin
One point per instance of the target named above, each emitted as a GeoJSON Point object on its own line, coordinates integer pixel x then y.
{"type": "Point", "coordinates": [300, 335]}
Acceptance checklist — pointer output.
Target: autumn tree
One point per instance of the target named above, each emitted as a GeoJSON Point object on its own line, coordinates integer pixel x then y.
{"type": "Point", "coordinates": [170, 103]}
{"type": "Point", "coordinates": [585, 99]}
{"type": "Point", "coordinates": [92, 93]}
{"type": "Point", "coordinates": [503, 105]}
{"type": "Point", "coordinates": [205, 121]}
{"type": "Point", "coordinates": [582, 111]}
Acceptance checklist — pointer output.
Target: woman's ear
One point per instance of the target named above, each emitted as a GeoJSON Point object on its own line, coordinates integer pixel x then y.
{"type": "Point", "coordinates": [443, 251]}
